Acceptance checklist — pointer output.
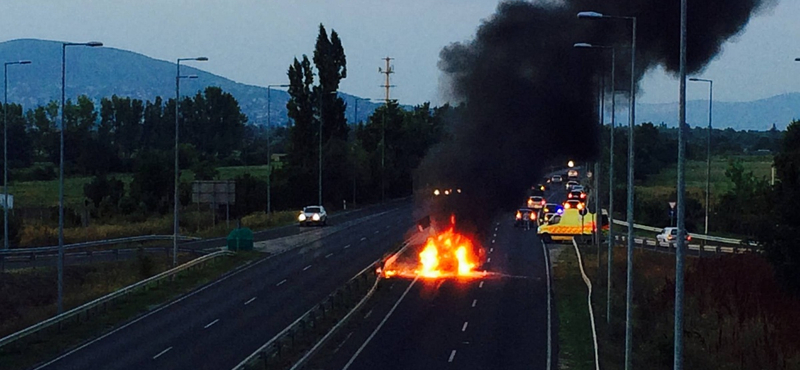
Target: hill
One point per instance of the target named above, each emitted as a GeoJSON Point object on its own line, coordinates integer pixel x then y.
{"type": "Point", "coordinates": [103, 72]}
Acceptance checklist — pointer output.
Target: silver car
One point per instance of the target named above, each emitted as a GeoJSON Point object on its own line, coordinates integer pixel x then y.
{"type": "Point", "coordinates": [313, 215]}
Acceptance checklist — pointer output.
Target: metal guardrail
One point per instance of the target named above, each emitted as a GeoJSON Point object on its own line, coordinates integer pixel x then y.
{"type": "Point", "coordinates": [132, 239]}
{"type": "Point", "coordinates": [701, 248]}
{"type": "Point", "coordinates": [102, 301]}
{"type": "Point", "coordinates": [274, 346]}
{"type": "Point", "coordinates": [693, 235]}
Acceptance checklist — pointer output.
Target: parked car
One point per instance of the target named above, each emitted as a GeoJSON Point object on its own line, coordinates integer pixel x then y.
{"type": "Point", "coordinates": [670, 235]}
{"type": "Point", "coordinates": [313, 215]}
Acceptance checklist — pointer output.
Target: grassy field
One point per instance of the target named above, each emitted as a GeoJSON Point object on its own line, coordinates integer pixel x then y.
{"type": "Point", "coordinates": [45, 193]}
{"type": "Point", "coordinates": [34, 300]}
{"type": "Point", "coordinates": [574, 326]}
{"type": "Point", "coordinates": [663, 183]}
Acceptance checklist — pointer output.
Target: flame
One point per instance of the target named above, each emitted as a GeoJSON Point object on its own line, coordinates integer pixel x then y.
{"type": "Point", "coordinates": [447, 254]}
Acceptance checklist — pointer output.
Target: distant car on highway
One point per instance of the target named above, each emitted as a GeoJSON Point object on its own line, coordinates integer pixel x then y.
{"type": "Point", "coordinates": [670, 235]}
{"type": "Point", "coordinates": [570, 184]}
{"type": "Point", "coordinates": [536, 202]}
{"type": "Point", "coordinates": [549, 211]}
{"type": "Point", "coordinates": [524, 216]}
{"type": "Point", "coordinates": [577, 194]}
{"type": "Point", "coordinates": [556, 179]}
{"type": "Point", "coordinates": [573, 204]}
{"type": "Point", "coordinates": [313, 215]}
{"type": "Point", "coordinates": [572, 174]}
{"type": "Point", "coordinates": [578, 187]}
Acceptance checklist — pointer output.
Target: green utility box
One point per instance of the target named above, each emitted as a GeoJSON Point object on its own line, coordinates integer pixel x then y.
{"type": "Point", "coordinates": [240, 239]}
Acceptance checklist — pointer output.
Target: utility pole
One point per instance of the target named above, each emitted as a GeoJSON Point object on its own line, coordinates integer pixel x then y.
{"type": "Point", "coordinates": [387, 71]}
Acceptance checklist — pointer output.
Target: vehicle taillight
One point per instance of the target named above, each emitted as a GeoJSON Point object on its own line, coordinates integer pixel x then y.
{"type": "Point", "coordinates": [543, 202]}
{"type": "Point", "coordinates": [519, 215]}
{"type": "Point", "coordinates": [583, 195]}
{"type": "Point", "coordinates": [533, 216]}
{"type": "Point", "coordinates": [569, 196]}
{"type": "Point", "coordinates": [688, 237]}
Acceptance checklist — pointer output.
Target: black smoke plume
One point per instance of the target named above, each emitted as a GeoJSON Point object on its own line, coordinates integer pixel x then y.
{"type": "Point", "coordinates": [531, 98]}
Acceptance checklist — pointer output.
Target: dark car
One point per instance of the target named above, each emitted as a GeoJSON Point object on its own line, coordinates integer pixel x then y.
{"type": "Point", "coordinates": [549, 210]}
{"type": "Point", "coordinates": [524, 217]}
{"type": "Point", "coordinates": [577, 194]}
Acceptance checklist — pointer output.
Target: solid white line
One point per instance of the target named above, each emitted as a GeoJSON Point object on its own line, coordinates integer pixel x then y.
{"type": "Point", "coordinates": [452, 355]}
{"type": "Point", "coordinates": [464, 328]}
{"type": "Point", "coordinates": [474, 302]}
{"type": "Point", "coordinates": [281, 283]}
{"type": "Point", "coordinates": [480, 285]}
{"type": "Point", "coordinates": [549, 314]}
{"type": "Point", "coordinates": [364, 238]}
{"type": "Point", "coordinates": [329, 255]}
{"type": "Point", "coordinates": [307, 267]}
{"type": "Point", "coordinates": [346, 366]}
{"type": "Point", "coordinates": [589, 300]}
{"type": "Point", "coordinates": [368, 313]}
{"type": "Point", "coordinates": [210, 324]}
{"type": "Point", "coordinates": [250, 301]}
{"type": "Point", "coordinates": [161, 353]}
{"type": "Point", "coordinates": [347, 246]}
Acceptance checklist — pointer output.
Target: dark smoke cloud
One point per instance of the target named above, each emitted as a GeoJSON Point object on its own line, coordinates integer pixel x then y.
{"type": "Point", "coordinates": [531, 97]}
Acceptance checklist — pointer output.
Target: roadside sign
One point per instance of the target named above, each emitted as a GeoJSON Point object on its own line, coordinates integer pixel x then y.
{"type": "Point", "coordinates": [3, 201]}
{"type": "Point", "coordinates": [672, 205]}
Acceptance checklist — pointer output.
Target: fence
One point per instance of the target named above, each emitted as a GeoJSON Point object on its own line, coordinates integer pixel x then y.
{"type": "Point", "coordinates": [102, 302]}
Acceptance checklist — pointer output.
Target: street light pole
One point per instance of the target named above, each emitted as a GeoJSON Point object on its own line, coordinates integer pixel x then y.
{"type": "Point", "coordinates": [680, 248]}
{"type": "Point", "coordinates": [5, 148]}
{"type": "Point", "coordinates": [175, 230]}
{"type": "Point", "coordinates": [269, 153]}
{"type": "Point", "coordinates": [630, 244]}
{"type": "Point", "coordinates": [708, 148]}
{"type": "Point", "coordinates": [610, 257]}
{"type": "Point", "coordinates": [355, 121]}
{"type": "Point", "coordinates": [61, 172]}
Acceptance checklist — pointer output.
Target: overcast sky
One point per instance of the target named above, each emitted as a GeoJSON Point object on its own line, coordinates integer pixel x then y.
{"type": "Point", "coordinates": [253, 41]}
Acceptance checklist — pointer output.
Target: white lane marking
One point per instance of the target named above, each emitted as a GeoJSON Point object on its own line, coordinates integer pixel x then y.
{"type": "Point", "coordinates": [491, 250]}
{"type": "Point", "coordinates": [489, 260]}
{"type": "Point", "coordinates": [364, 238]}
{"type": "Point", "coordinates": [377, 231]}
{"type": "Point", "coordinates": [307, 267]}
{"type": "Point", "coordinates": [452, 355]}
{"type": "Point", "coordinates": [161, 353]}
{"type": "Point", "coordinates": [387, 227]}
{"type": "Point", "coordinates": [250, 301]}
{"type": "Point", "coordinates": [368, 313]}
{"type": "Point", "coordinates": [281, 283]}
{"type": "Point", "coordinates": [385, 318]}
{"type": "Point", "coordinates": [464, 328]}
{"type": "Point", "coordinates": [329, 255]}
{"type": "Point", "coordinates": [210, 324]}
{"type": "Point", "coordinates": [480, 285]}
{"type": "Point", "coordinates": [492, 241]}
{"type": "Point", "coordinates": [474, 302]}
{"type": "Point", "coordinates": [494, 235]}
{"type": "Point", "coordinates": [347, 246]}
{"type": "Point", "coordinates": [549, 317]}
{"type": "Point", "coordinates": [341, 344]}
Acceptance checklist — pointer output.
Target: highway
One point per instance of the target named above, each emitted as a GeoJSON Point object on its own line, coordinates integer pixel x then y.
{"type": "Point", "coordinates": [223, 322]}
{"type": "Point", "coordinates": [499, 321]}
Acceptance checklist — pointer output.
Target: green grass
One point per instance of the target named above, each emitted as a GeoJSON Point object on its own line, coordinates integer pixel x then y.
{"type": "Point", "coordinates": [36, 348]}
{"type": "Point", "coordinates": [576, 349]}
{"type": "Point", "coordinates": [663, 183]}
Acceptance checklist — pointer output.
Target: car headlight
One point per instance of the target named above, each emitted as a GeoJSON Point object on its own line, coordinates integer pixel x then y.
{"type": "Point", "coordinates": [302, 217]}
{"type": "Point", "coordinates": [315, 217]}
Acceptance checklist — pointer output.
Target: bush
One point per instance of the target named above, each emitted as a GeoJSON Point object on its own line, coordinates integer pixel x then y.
{"type": "Point", "coordinates": [14, 228]}
{"type": "Point", "coordinates": [104, 190]}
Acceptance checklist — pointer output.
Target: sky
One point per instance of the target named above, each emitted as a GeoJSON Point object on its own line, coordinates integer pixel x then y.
{"type": "Point", "coordinates": [254, 41]}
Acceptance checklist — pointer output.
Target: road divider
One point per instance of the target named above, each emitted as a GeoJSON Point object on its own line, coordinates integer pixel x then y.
{"type": "Point", "coordinates": [101, 303]}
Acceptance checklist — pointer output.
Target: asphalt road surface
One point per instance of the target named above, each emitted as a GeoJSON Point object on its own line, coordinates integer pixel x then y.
{"type": "Point", "coordinates": [220, 324]}
{"type": "Point", "coordinates": [495, 321]}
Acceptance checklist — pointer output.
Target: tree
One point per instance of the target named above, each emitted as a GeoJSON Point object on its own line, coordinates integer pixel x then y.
{"type": "Point", "coordinates": [781, 234]}
{"type": "Point", "coordinates": [331, 63]}
{"type": "Point", "coordinates": [300, 110]}
{"type": "Point", "coordinates": [152, 183]}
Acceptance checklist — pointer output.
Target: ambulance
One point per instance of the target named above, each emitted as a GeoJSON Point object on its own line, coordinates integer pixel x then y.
{"type": "Point", "coordinates": [573, 222]}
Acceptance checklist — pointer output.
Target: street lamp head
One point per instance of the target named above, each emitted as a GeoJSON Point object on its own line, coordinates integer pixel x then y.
{"type": "Point", "coordinates": [24, 62]}
{"type": "Point", "coordinates": [94, 44]}
{"type": "Point", "coordinates": [201, 59]}
{"type": "Point", "coordinates": [590, 15]}
{"type": "Point", "coordinates": [797, 59]}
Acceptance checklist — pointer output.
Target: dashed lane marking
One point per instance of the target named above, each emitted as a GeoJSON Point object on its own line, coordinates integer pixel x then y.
{"type": "Point", "coordinates": [368, 313]}
{"type": "Point", "coordinates": [474, 302]}
{"type": "Point", "coordinates": [364, 238]}
{"type": "Point", "coordinates": [464, 328]}
{"type": "Point", "coordinates": [210, 324]}
{"type": "Point", "coordinates": [307, 267]}
{"type": "Point", "coordinates": [328, 255]}
{"type": "Point", "coordinates": [281, 283]}
{"type": "Point", "coordinates": [480, 285]}
{"type": "Point", "coordinates": [377, 231]}
{"type": "Point", "coordinates": [250, 301]}
{"type": "Point", "coordinates": [452, 355]}
{"type": "Point", "coordinates": [161, 353]}
{"type": "Point", "coordinates": [489, 260]}
{"type": "Point", "coordinates": [347, 246]}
